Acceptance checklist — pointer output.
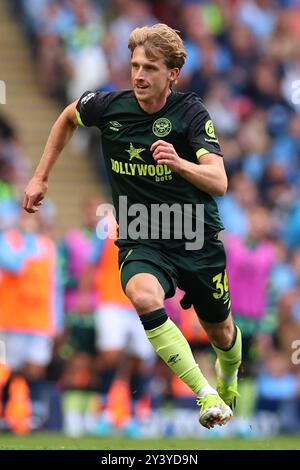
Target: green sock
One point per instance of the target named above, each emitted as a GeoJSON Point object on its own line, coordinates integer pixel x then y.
{"type": "Point", "coordinates": [231, 359]}
{"type": "Point", "coordinates": [173, 348]}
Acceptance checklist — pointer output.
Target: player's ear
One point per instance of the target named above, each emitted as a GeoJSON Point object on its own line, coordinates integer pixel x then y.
{"type": "Point", "coordinates": [173, 74]}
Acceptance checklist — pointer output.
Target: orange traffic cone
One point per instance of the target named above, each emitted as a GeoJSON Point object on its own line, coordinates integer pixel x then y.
{"type": "Point", "coordinates": [118, 403]}
{"type": "Point", "coordinates": [4, 376]}
{"type": "Point", "coordinates": [18, 407]}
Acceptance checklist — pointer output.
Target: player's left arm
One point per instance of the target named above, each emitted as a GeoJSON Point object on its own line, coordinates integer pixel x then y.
{"type": "Point", "coordinates": [209, 175]}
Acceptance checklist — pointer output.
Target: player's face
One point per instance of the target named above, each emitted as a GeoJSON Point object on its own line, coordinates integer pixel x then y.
{"type": "Point", "coordinates": [151, 78]}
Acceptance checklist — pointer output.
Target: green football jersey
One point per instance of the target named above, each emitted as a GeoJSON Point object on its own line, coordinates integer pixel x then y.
{"type": "Point", "coordinates": [127, 135]}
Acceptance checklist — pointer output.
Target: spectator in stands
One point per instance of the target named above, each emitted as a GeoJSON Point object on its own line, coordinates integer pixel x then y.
{"type": "Point", "coordinates": [30, 314]}
{"type": "Point", "coordinates": [236, 204]}
{"type": "Point", "coordinates": [78, 347]}
{"type": "Point", "coordinates": [13, 171]}
{"type": "Point", "coordinates": [87, 61]}
{"type": "Point", "coordinates": [278, 391]}
{"type": "Point", "coordinates": [288, 315]}
{"type": "Point", "coordinates": [130, 14]}
{"type": "Point", "coordinates": [250, 260]}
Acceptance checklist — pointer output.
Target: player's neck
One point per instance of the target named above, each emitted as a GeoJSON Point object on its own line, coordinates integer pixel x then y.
{"type": "Point", "coordinates": [155, 105]}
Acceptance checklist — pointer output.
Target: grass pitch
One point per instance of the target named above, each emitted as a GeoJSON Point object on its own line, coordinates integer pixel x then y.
{"type": "Point", "coordinates": [61, 442]}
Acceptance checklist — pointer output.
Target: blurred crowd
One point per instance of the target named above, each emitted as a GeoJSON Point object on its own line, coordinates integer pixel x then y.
{"type": "Point", "coordinates": [244, 61]}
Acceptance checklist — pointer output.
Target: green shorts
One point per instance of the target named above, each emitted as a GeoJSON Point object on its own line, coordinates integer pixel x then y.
{"type": "Point", "coordinates": [200, 273]}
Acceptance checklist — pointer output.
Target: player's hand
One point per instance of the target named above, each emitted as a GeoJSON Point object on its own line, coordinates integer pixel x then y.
{"type": "Point", "coordinates": [165, 154]}
{"type": "Point", "coordinates": [34, 194]}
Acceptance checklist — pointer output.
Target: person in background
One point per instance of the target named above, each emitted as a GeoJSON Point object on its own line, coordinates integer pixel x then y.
{"type": "Point", "coordinates": [77, 348]}
{"type": "Point", "coordinates": [30, 317]}
{"type": "Point", "coordinates": [250, 261]}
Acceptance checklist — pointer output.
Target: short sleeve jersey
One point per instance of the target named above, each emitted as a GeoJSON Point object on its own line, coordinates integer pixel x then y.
{"type": "Point", "coordinates": [127, 135]}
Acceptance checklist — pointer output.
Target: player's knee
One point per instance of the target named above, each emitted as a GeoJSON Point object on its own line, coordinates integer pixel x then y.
{"type": "Point", "coordinates": [221, 337]}
{"type": "Point", "coordinates": [144, 301]}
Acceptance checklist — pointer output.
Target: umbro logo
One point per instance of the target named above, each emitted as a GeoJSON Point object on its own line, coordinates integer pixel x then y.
{"type": "Point", "coordinates": [115, 126]}
{"type": "Point", "coordinates": [173, 359]}
{"type": "Point", "coordinates": [87, 98]}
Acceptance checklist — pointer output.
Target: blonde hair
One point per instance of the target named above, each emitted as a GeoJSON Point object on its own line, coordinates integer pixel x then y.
{"type": "Point", "coordinates": [159, 38]}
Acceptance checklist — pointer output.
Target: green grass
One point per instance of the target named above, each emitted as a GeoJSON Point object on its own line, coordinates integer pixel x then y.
{"type": "Point", "coordinates": [61, 442]}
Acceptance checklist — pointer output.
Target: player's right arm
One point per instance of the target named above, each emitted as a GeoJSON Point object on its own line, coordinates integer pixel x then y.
{"type": "Point", "coordinates": [59, 136]}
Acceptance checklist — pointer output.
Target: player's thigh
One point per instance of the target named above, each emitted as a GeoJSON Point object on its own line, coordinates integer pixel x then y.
{"type": "Point", "coordinates": [209, 297]}
{"type": "Point", "coordinates": [111, 328]}
{"type": "Point", "coordinates": [207, 284]}
{"type": "Point", "coordinates": [145, 260]}
{"type": "Point", "coordinates": [145, 288]}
